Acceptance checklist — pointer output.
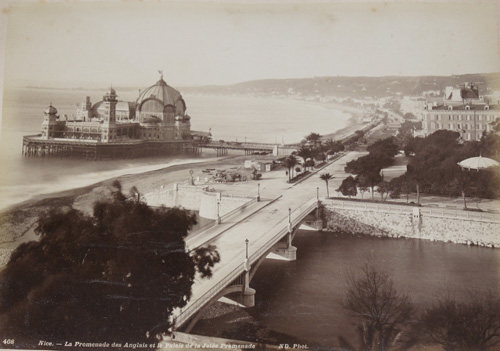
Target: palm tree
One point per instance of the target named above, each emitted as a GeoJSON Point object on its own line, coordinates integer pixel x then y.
{"type": "Point", "coordinates": [304, 152]}
{"type": "Point", "coordinates": [313, 138]}
{"type": "Point", "coordinates": [326, 177]}
{"type": "Point", "coordinates": [290, 162]}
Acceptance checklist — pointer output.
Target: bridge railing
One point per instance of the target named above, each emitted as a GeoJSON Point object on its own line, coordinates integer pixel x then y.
{"type": "Point", "coordinates": [188, 311]}
{"type": "Point", "coordinates": [302, 213]}
{"type": "Point", "coordinates": [426, 211]}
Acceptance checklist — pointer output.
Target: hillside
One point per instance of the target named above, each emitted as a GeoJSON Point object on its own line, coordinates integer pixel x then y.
{"type": "Point", "coordinates": [374, 87]}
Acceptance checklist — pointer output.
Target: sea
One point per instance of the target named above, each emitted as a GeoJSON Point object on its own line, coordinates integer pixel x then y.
{"type": "Point", "coordinates": [230, 118]}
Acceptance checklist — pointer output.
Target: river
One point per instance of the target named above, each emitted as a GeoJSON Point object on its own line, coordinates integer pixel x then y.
{"type": "Point", "coordinates": [302, 298]}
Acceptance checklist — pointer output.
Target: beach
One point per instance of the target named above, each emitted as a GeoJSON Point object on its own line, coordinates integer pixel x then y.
{"type": "Point", "coordinates": [18, 223]}
{"type": "Point", "coordinates": [31, 187]}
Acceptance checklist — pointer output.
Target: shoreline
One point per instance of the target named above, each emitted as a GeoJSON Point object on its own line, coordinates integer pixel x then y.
{"type": "Point", "coordinates": [18, 221]}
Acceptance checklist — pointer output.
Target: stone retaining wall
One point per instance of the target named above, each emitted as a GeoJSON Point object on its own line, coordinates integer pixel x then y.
{"type": "Point", "coordinates": [197, 198]}
{"type": "Point", "coordinates": [399, 225]}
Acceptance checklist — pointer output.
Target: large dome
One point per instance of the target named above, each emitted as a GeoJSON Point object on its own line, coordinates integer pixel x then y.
{"type": "Point", "coordinates": [162, 92]}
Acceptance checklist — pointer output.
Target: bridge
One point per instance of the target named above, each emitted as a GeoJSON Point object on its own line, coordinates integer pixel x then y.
{"type": "Point", "coordinates": [240, 258]}
{"type": "Point", "coordinates": [222, 147]}
{"type": "Point", "coordinates": [270, 229]}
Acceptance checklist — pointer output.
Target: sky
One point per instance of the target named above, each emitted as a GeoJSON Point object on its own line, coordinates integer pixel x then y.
{"type": "Point", "coordinates": [126, 43]}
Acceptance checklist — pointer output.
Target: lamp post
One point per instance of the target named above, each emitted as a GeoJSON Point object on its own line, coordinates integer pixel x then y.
{"type": "Point", "coordinates": [290, 217]}
{"type": "Point", "coordinates": [218, 211]}
{"type": "Point", "coordinates": [246, 246]}
{"type": "Point", "coordinates": [317, 193]}
{"type": "Point", "coordinates": [258, 191]}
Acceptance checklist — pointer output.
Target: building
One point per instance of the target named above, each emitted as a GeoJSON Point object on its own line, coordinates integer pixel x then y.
{"type": "Point", "coordinates": [156, 120]}
{"type": "Point", "coordinates": [462, 110]}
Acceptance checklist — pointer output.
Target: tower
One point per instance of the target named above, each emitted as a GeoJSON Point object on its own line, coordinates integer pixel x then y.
{"type": "Point", "coordinates": [49, 124]}
{"type": "Point", "coordinates": [108, 132]}
{"type": "Point", "coordinates": [84, 111]}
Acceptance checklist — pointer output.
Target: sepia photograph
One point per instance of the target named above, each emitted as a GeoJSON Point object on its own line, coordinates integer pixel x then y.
{"type": "Point", "coordinates": [250, 175]}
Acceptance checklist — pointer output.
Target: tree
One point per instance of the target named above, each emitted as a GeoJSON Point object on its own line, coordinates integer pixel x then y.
{"type": "Point", "coordinates": [348, 187]}
{"type": "Point", "coordinates": [383, 189]}
{"type": "Point", "coordinates": [305, 152]}
{"type": "Point", "coordinates": [469, 325]}
{"type": "Point", "coordinates": [116, 275]}
{"type": "Point", "coordinates": [402, 184]}
{"type": "Point", "coordinates": [326, 177]}
{"type": "Point", "coordinates": [320, 156]}
{"type": "Point", "coordinates": [331, 147]}
{"type": "Point", "coordinates": [369, 166]}
{"type": "Point", "coordinates": [384, 149]}
{"type": "Point", "coordinates": [369, 176]}
{"type": "Point", "coordinates": [409, 115]}
{"type": "Point", "coordinates": [290, 162]}
{"type": "Point", "coordinates": [382, 313]}
{"type": "Point", "coordinates": [313, 138]}
{"type": "Point", "coordinates": [362, 187]}
{"type": "Point", "coordinates": [309, 164]}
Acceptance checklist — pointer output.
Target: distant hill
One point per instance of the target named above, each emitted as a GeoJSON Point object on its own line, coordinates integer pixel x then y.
{"type": "Point", "coordinates": [352, 86]}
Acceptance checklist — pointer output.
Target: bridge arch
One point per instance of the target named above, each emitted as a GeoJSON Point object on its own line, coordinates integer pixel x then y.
{"type": "Point", "coordinates": [226, 291]}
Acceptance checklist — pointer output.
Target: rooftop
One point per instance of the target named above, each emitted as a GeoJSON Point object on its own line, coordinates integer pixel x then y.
{"type": "Point", "coordinates": [471, 107]}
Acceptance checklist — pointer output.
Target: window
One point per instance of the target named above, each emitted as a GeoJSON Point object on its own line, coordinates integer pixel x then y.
{"type": "Point", "coordinates": [433, 125]}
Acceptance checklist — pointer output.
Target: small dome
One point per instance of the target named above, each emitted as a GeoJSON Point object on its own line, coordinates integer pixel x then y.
{"type": "Point", "coordinates": [51, 110]}
{"type": "Point", "coordinates": [112, 91]}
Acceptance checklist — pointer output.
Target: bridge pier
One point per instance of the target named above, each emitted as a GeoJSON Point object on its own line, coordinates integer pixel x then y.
{"type": "Point", "coordinates": [286, 250]}
{"type": "Point", "coordinates": [248, 294]}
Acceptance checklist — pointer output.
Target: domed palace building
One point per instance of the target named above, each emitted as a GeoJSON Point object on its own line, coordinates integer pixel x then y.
{"type": "Point", "coordinates": [155, 123]}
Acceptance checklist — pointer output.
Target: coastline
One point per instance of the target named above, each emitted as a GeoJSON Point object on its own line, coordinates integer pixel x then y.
{"type": "Point", "coordinates": [18, 221]}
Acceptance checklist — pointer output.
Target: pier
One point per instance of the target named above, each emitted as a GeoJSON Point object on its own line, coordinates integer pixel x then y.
{"type": "Point", "coordinates": [222, 147]}
{"type": "Point", "coordinates": [34, 146]}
